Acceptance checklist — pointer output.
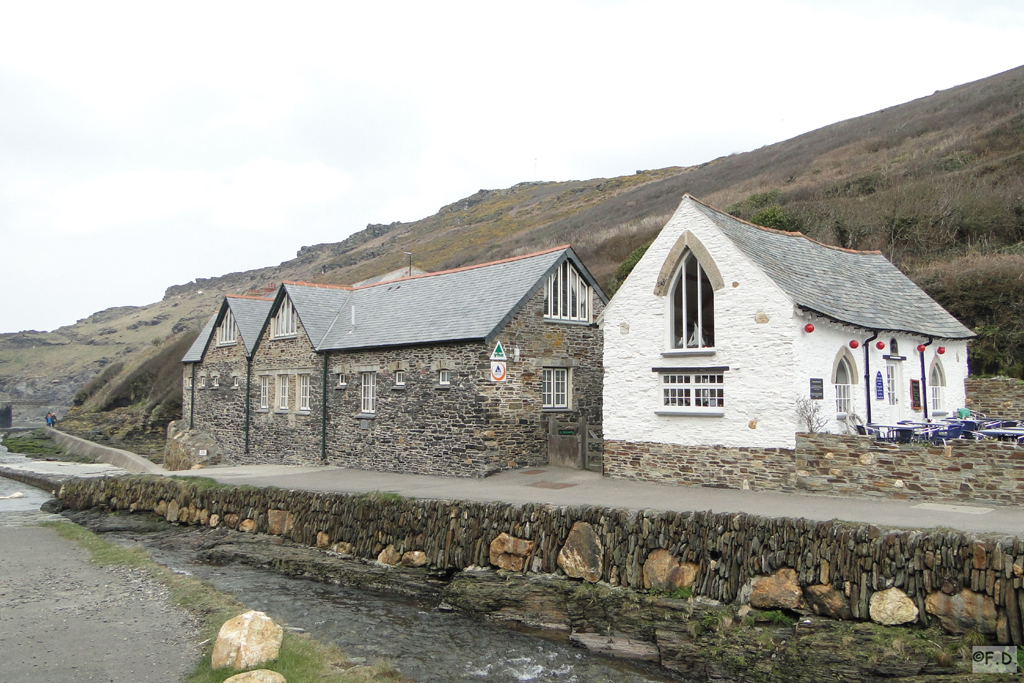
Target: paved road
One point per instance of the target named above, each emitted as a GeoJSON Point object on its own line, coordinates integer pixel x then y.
{"type": "Point", "coordinates": [572, 487]}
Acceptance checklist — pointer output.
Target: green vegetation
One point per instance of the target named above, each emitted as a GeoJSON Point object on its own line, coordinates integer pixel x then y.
{"type": "Point", "coordinates": [775, 616]}
{"type": "Point", "coordinates": [684, 593]}
{"type": "Point", "coordinates": [302, 659]}
{"type": "Point", "coordinates": [37, 444]}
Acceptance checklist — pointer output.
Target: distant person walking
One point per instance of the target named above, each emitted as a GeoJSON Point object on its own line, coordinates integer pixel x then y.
{"type": "Point", "coordinates": [49, 419]}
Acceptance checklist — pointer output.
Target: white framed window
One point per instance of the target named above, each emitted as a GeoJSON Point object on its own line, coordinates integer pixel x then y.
{"type": "Point", "coordinates": [202, 381]}
{"type": "Point", "coordinates": [284, 322]}
{"type": "Point", "coordinates": [303, 392]}
{"type": "Point", "coordinates": [936, 387]}
{"type": "Point", "coordinates": [264, 392]}
{"type": "Point", "coordinates": [844, 392]}
{"type": "Point", "coordinates": [444, 377]}
{"type": "Point", "coordinates": [227, 333]}
{"type": "Point", "coordinates": [555, 388]}
{"type": "Point", "coordinates": [282, 392]}
{"type": "Point", "coordinates": [567, 295]}
{"type": "Point", "coordinates": [693, 306]}
{"type": "Point", "coordinates": [399, 378]}
{"type": "Point", "coordinates": [187, 384]}
{"type": "Point", "coordinates": [368, 392]}
{"type": "Point", "coordinates": [214, 381]}
{"type": "Point", "coordinates": [236, 382]}
{"type": "Point", "coordinates": [342, 380]}
{"type": "Point", "coordinates": [696, 391]}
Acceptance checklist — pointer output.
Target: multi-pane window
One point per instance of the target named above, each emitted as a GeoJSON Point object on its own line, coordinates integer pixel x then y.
{"type": "Point", "coordinates": [844, 393]}
{"type": "Point", "coordinates": [693, 306]}
{"type": "Point", "coordinates": [567, 295]}
{"type": "Point", "coordinates": [282, 392]}
{"type": "Point", "coordinates": [399, 378]}
{"type": "Point", "coordinates": [228, 331]}
{"type": "Point", "coordinates": [284, 322]}
{"type": "Point", "coordinates": [693, 390]}
{"type": "Point", "coordinates": [936, 384]}
{"type": "Point", "coordinates": [444, 377]}
{"type": "Point", "coordinates": [555, 389]}
{"type": "Point", "coordinates": [265, 392]}
{"type": "Point", "coordinates": [303, 392]}
{"type": "Point", "coordinates": [368, 392]}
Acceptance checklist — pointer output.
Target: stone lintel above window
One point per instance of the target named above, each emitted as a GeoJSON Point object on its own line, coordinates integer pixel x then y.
{"type": "Point", "coordinates": [691, 370]}
{"type": "Point", "coordinates": [677, 353]}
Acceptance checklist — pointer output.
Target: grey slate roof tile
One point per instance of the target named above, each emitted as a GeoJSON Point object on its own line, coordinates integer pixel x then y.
{"type": "Point", "coordinates": [860, 288]}
{"type": "Point", "coordinates": [250, 314]}
{"type": "Point", "coordinates": [198, 348]}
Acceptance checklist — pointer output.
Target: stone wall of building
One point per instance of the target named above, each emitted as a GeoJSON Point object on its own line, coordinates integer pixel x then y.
{"type": "Point", "coordinates": [219, 396]}
{"type": "Point", "coordinates": [996, 396]}
{"type": "Point", "coordinates": [845, 570]}
{"type": "Point", "coordinates": [984, 472]}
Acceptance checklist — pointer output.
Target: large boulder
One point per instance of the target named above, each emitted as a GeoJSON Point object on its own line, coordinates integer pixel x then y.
{"type": "Point", "coordinates": [389, 556]}
{"type": "Point", "coordinates": [257, 676]}
{"type": "Point", "coordinates": [892, 607]}
{"type": "Point", "coordinates": [781, 590]}
{"type": "Point", "coordinates": [280, 522]}
{"type": "Point", "coordinates": [509, 552]}
{"type": "Point", "coordinates": [415, 558]}
{"type": "Point", "coordinates": [964, 611]}
{"type": "Point", "coordinates": [246, 641]}
{"type": "Point", "coordinates": [663, 571]}
{"type": "Point", "coordinates": [582, 555]}
{"type": "Point", "coordinates": [826, 601]}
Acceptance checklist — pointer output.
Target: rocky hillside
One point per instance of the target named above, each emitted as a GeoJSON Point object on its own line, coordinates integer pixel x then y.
{"type": "Point", "coordinates": [937, 184]}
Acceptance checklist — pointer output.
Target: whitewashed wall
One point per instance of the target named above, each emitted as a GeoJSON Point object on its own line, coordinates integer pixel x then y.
{"type": "Point", "coordinates": [760, 396]}
{"type": "Point", "coordinates": [770, 363]}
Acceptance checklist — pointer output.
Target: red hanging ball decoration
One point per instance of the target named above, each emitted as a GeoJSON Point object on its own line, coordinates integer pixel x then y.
{"type": "Point", "coordinates": [921, 348]}
{"type": "Point", "coordinates": [808, 328]}
{"type": "Point", "coordinates": [879, 345]}
{"type": "Point", "coordinates": [854, 343]}
{"type": "Point", "coordinates": [941, 350]}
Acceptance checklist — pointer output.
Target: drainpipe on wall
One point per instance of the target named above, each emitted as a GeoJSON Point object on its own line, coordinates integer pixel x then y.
{"type": "Point", "coordinates": [867, 371]}
{"type": "Point", "coordinates": [924, 385]}
{"type": "Point", "coordinates": [192, 400]}
{"type": "Point", "coordinates": [323, 415]}
{"type": "Point", "coordinates": [248, 379]}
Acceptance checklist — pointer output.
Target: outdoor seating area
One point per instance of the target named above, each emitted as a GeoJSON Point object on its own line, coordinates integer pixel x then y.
{"type": "Point", "coordinates": [977, 427]}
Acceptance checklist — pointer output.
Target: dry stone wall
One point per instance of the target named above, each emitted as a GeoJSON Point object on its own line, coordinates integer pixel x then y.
{"type": "Point", "coordinates": [988, 472]}
{"type": "Point", "coordinates": [726, 557]}
{"type": "Point", "coordinates": [996, 396]}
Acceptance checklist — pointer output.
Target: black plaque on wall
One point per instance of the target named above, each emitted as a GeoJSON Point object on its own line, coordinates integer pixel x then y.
{"type": "Point", "coordinates": [817, 388]}
{"type": "Point", "coordinates": [915, 394]}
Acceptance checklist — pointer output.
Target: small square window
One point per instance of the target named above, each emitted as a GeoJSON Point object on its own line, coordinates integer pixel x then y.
{"type": "Point", "coordinates": [399, 378]}
{"type": "Point", "coordinates": [235, 382]}
{"type": "Point", "coordinates": [342, 380]}
{"type": "Point", "coordinates": [444, 377]}
{"type": "Point", "coordinates": [202, 381]}
{"type": "Point", "coordinates": [215, 380]}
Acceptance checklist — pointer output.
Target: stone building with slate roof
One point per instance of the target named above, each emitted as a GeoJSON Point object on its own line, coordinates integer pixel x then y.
{"type": "Point", "coordinates": [728, 335]}
{"type": "Point", "coordinates": [406, 375]}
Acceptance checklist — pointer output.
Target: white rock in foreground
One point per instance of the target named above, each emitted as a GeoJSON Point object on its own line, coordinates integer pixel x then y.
{"type": "Point", "coordinates": [246, 641]}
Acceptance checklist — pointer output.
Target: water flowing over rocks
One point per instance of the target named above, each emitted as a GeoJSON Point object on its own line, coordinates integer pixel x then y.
{"type": "Point", "coordinates": [248, 640]}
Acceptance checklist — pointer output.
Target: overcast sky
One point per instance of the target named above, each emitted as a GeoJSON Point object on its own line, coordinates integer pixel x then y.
{"type": "Point", "coordinates": [142, 146]}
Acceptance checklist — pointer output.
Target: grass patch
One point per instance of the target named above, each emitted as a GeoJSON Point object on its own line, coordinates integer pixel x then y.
{"type": "Point", "coordinates": [36, 444]}
{"type": "Point", "coordinates": [302, 659]}
{"type": "Point", "coordinates": [677, 594]}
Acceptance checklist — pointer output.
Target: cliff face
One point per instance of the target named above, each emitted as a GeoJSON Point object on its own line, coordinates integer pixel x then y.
{"type": "Point", "coordinates": [936, 183]}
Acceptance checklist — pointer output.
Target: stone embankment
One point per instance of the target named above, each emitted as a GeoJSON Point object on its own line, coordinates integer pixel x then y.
{"type": "Point", "coordinates": [858, 575]}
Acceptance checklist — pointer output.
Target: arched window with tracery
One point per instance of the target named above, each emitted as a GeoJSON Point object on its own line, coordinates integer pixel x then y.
{"type": "Point", "coordinates": [936, 388]}
{"type": "Point", "coordinates": [693, 306]}
{"type": "Point", "coordinates": [843, 381]}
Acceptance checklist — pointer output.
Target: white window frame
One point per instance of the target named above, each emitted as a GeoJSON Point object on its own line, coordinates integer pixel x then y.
{"type": "Point", "coordinates": [282, 392]}
{"type": "Point", "coordinates": [936, 390]}
{"type": "Point", "coordinates": [556, 388]}
{"type": "Point", "coordinates": [692, 392]}
{"type": "Point", "coordinates": [342, 380]}
{"type": "Point", "coordinates": [202, 381]}
{"type": "Point", "coordinates": [844, 390]}
{"type": "Point", "coordinates": [444, 377]}
{"type": "Point", "coordinates": [284, 322]}
{"type": "Point", "coordinates": [696, 339]}
{"type": "Point", "coordinates": [264, 392]}
{"type": "Point", "coordinates": [214, 381]}
{"type": "Point", "coordinates": [187, 384]}
{"type": "Point", "coordinates": [227, 333]}
{"type": "Point", "coordinates": [304, 385]}
{"type": "Point", "coordinates": [236, 382]}
{"type": "Point", "coordinates": [567, 296]}
{"type": "Point", "coordinates": [368, 392]}
{"type": "Point", "coordinates": [399, 378]}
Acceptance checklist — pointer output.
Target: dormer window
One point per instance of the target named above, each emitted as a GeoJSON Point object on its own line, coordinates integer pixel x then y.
{"type": "Point", "coordinates": [284, 322]}
{"type": "Point", "coordinates": [567, 295]}
{"type": "Point", "coordinates": [693, 306]}
{"type": "Point", "coordinates": [228, 332]}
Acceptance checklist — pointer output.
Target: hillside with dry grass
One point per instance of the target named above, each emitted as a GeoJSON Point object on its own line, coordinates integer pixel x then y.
{"type": "Point", "coordinates": [937, 184]}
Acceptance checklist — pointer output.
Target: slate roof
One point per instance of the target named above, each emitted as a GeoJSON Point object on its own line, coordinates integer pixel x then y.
{"type": "Point", "coordinates": [461, 304]}
{"type": "Point", "coordinates": [857, 287]}
{"type": "Point", "coordinates": [198, 348]}
{"type": "Point", "coordinates": [250, 314]}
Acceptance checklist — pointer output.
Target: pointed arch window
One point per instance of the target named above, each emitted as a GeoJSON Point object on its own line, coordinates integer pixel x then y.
{"type": "Point", "coordinates": [228, 332]}
{"type": "Point", "coordinates": [693, 306]}
{"type": "Point", "coordinates": [936, 389]}
{"type": "Point", "coordinates": [283, 324]}
{"type": "Point", "coordinates": [894, 347]}
{"type": "Point", "coordinates": [843, 381]}
{"type": "Point", "coordinates": [567, 295]}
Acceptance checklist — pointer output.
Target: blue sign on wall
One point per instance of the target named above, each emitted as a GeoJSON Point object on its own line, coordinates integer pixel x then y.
{"type": "Point", "coordinates": [879, 386]}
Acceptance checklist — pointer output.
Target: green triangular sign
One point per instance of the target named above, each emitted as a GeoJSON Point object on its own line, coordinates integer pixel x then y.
{"type": "Point", "coordinates": [499, 353]}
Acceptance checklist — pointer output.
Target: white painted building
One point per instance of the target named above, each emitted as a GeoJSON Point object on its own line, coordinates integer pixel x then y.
{"type": "Point", "coordinates": [727, 333]}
